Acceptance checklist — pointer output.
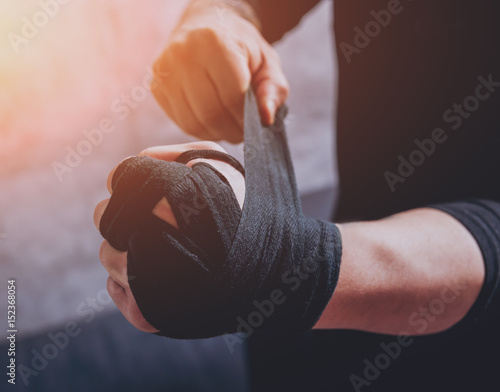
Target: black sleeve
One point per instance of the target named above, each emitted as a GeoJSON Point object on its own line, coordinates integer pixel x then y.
{"type": "Point", "coordinates": [482, 219]}
{"type": "Point", "coordinates": [279, 16]}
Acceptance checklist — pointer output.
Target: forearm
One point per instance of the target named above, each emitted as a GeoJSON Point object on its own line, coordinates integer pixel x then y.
{"type": "Point", "coordinates": [417, 272]}
{"type": "Point", "coordinates": [273, 18]}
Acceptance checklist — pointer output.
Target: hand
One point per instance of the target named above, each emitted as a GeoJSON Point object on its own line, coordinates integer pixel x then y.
{"type": "Point", "coordinates": [211, 60]}
{"type": "Point", "coordinates": [115, 261]}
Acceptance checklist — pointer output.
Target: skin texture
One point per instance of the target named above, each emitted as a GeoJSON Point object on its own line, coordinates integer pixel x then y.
{"type": "Point", "coordinates": [417, 272]}
{"type": "Point", "coordinates": [212, 58]}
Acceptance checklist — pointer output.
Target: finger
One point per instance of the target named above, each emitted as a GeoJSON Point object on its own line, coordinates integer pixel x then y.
{"type": "Point", "coordinates": [231, 75]}
{"type": "Point", "coordinates": [183, 115]}
{"type": "Point", "coordinates": [167, 85]}
{"type": "Point", "coordinates": [172, 152]}
{"type": "Point", "coordinates": [166, 153]}
{"type": "Point", "coordinates": [99, 211]}
{"type": "Point", "coordinates": [161, 73]}
{"type": "Point", "coordinates": [159, 94]}
{"type": "Point", "coordinates": [270, 86]}
{"type": "Point", "coordinates": [115, 263]}
{"type": "Point", "coordinates": [109, 181]}
{"type": "Point", "coordinates": [206, 104]}
{"type": "Point", "coordinates": [114, 289]}
{"type": "Point", "coordinates": [172, 98]}
{"type": "Point", "coordinates": [125, 302]}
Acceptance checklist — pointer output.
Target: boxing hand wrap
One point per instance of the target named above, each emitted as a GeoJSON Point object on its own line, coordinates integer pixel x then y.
{"type": "Point", "coordinates": [223, 264]}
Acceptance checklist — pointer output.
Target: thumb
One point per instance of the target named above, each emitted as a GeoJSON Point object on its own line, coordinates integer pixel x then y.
{"type": "Point", "coordinates": [271, 89]}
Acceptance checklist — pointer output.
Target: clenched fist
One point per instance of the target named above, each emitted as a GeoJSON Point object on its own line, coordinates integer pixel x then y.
{"type": "Point", "coordinates": [212, 58]}
{"type": "Point", "coordinates": [115, 261]}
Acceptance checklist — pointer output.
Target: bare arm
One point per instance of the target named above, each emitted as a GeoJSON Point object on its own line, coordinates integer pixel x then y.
{"type": "Point", "coordinates": [417, 272]}
{"type": "Point", "coordinates": [212, 58]}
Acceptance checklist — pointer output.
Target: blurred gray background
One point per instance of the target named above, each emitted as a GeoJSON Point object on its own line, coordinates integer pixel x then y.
{"type": "Point", "coordinates": [67, 79]}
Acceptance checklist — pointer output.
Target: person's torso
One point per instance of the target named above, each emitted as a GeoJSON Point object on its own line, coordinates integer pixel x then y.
{"type": "Point", "coordinates": [418, 123]}
{"type": "Point", "coordinates": [419, 103]}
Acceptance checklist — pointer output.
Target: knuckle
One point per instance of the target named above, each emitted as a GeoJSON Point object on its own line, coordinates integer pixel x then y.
{"type": "Point", "coordinates": [175, 49]}
{"type": "Point", "coordinates": [113, 288]}
{"type": "Point", "coordinates": [203, 36]}
{"type": "Point", "coordinates": [110, 288]}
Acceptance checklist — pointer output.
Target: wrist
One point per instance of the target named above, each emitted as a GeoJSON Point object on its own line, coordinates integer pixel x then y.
{"type": "Point", "coordinates": [241, 8]}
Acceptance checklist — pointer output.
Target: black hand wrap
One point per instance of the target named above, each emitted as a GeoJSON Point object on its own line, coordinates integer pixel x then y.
{"type": "Point", "coordinates": [223, 264]}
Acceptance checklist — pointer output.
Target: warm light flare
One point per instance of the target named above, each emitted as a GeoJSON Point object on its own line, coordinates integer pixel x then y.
{"type": "Point", "coordinates": [63, 66]}
{"type": "Point", "coordinates": [10, 16]}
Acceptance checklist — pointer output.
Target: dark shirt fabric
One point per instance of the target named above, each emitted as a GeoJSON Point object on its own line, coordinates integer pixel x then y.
{"type": "Point", "coordinates": [418, 125]}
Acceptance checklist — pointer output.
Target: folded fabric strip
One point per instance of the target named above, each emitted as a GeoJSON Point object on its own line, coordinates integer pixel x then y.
{"type": "Point", "coordinates": [267, 265]}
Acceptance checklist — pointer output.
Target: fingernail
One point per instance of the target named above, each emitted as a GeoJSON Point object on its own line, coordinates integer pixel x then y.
{"type": "Point", "coordinates": [271, 107]}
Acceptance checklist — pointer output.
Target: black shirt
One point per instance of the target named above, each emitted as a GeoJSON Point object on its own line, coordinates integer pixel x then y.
{"type": "Point", "coordinates": [418, 124]}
